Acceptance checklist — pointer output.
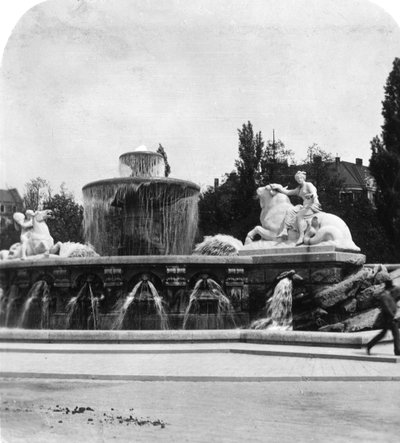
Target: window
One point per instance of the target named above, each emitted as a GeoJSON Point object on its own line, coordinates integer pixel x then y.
{"type": "Point", "coordinates": [1, 208]}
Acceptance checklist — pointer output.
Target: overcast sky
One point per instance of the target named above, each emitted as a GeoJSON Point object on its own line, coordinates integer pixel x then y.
{"type": "Point", "coordinates": [85, 81]}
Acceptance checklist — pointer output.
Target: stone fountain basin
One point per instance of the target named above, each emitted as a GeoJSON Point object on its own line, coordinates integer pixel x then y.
{"type": "Point", "coordinates": [178, 186]}
{"type": "Point", "coordinates": [245, 279]}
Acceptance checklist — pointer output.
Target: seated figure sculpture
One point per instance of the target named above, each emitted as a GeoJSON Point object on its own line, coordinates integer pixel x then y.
{"type": "Point", "coordinates": [285, 225]}
{"type": "Point", "coordinates": [296, 217]}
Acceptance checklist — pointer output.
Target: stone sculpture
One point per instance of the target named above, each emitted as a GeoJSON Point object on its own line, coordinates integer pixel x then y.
{"type": "Point", "coordinates": [285, 225]}
{"type": "Point", "coordinates": [35, 236]}
{"type": "Point", "coordinates": [37, 242]}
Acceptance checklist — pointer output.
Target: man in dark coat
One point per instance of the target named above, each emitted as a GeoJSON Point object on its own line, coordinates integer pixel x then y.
{"type": "Point", "coordinates": [388, 315]}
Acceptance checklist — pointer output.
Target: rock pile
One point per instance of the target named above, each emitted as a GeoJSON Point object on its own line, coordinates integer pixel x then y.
{"type": "Point", "coordinates": [353, 304]}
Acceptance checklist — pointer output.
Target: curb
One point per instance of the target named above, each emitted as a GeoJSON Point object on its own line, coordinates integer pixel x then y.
{"type": "Point", "coordinates": [174, 378]}
{"type": "Point", "coordinates": [309, 338]}
{"type": "Point", "coordinates": [261, 352]}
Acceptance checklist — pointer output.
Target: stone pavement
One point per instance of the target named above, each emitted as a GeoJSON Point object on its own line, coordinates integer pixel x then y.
{"type": "Point", "coordinates": [197, 392]}
{"type": "Point", "coordinates": [41, 411]}
{"type": "Point", "coordinates": [196, 362]}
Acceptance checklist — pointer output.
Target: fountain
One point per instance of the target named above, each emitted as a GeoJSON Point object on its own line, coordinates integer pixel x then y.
{"type": "Point", "coordinates": [142, 212]}
{"type": "Point", "coordinates": [147, 275]}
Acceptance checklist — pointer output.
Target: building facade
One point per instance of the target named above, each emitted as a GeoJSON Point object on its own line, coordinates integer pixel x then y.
{"type": "Point", "coordinates": [10, 202]}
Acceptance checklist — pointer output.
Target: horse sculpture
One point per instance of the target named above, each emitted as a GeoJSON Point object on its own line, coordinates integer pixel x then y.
{"type": "Point", "coordinates": [40, 240]}
{"type": "Point", "coordinates": [35, 241]}
{"type": "Point", "coordinates": [322, 227]}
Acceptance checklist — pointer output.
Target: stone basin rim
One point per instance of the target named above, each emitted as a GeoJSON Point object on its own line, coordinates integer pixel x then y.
{"type": "Point", "coordinates": [312, 338]}
{"type": "Point", "coordinates": [143, 180]}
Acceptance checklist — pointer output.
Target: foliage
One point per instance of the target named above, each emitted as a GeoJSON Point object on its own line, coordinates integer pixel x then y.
{"type": "Point", "coordinates": [217, 208]}
{"type": "Point", "coordinates": [366, 230]}
{"type": "Point", "coordinates": [68, 216]}
{"type": "Point", "coordinates": [385, 159]}
{"type": "Point", "coordinates": [161, 150]}
{"type": "Point", "coordinates": [245, 206]}
{"type": "Point", "coordinates": [321, 171]}
{"type": "Point", "coordinates": [37, 190]}
{"type": "Point", "coordinates": [275, 162]}
{"type": "Point", "coordinates": [8, 235]}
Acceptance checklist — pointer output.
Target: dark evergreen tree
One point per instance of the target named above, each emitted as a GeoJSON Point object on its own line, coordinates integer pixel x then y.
{"type": "Point", "coordinates": [216, 209]}
{"type": "Point", "coordinates": [248, 166]}
{"type": "Point", "coordinates": [161, 150]}
{"type": "Point", "coordinates": [68, 217]}
{"type": "Point", "coordinates": [385, 160]}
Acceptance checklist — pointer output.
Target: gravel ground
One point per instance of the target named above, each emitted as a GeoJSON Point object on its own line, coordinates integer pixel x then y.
{"type": "Point", "coordinates": [93, 411]}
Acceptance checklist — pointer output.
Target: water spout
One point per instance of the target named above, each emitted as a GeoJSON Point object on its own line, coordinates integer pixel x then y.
{"type": "Point", "coordinates": [82, 309]}
{"type": "Point", "coordinates": [143, 296]}
{"type": "Point", "coordinates": [208, 297]}
{"type": "Point", "coordinates": [279, 308]}
{"type": "Point", "coordinates": [35, 309]}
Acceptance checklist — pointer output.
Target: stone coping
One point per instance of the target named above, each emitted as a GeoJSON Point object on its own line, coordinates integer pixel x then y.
{"type": "Point", "coordinates": [55, 261]}
{"type": "Point", "coordinates": [310, 338]}
{"type": "Point", "coordinates": [143, 180]}
{"type": "Point", "coordinates": [285, 257]}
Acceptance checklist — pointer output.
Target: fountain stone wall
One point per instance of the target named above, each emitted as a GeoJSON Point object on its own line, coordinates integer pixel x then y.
{"type": "Point", "coordinates": [245, 280]}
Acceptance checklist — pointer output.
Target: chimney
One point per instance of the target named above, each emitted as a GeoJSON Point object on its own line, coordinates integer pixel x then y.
{"type": "Point", "coordinates": [216, 183]}
{"type": "Point", "coordinates": [337, 161]}
{"type": "Point", "coordinates": [359, 161]}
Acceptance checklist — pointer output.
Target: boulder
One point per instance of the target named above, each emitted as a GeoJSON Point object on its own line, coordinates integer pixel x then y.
{"type": "Point", "coordinates": [368, 298]}
{"type": "Point", "coordinates": [345, 289]}
{"type": "Point", "coordinates": [366, 320]}
{"type": "Point", "coordinates": [336, 327]}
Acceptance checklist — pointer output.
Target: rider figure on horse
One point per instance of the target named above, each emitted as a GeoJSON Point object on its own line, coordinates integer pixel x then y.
{"type": "Point", "coordinates": [25, 223]}
{"type": "Point", "coordinates": [297, 217]}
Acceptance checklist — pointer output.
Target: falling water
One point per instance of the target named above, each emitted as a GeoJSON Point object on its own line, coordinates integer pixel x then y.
{"type": "Point", "coordinates": [140, 216]}
{"type": "Point", "coordinates": [123, 306]}
{"type": "Point", "coordinates": [141, 290]}
{"type": "Point", "coordinates": [141, 164]}
{"type": "Point", "coordinates": [35, 306]}
{"type": "Point", "coordinates": [279, 308]}
{"type": "Point", "coordinates": [141, 212]}
{"type": "Point", "coordinates": [9, 303]}
{"type": "Point", "coordinates": [77, 312]}
{"type": "Point", "coordinates": [45, 317]}
{"type": "Point", "coordinates": [205, 290]}
{"type": "Point", "coordinates": [3, 305]}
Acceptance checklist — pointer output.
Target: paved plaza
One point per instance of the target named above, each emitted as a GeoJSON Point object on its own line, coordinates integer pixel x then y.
{"type": "Point", "coordinates": [197, 392]}
{"type": "Point", "coordinates": [36, 411]}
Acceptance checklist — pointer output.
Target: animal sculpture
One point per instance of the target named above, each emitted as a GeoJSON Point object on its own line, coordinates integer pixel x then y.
{"type": "Point", "coordinates": [322, 226]}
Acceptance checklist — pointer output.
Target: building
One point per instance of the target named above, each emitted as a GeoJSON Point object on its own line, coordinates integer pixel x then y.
{"type": "Point", "coordinates": [10, 202]}
{"type": "Point", "coordinates": [356, 180]}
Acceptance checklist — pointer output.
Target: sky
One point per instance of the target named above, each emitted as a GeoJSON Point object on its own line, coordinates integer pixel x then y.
{"type": "Point", "coordinates": [83, 81]}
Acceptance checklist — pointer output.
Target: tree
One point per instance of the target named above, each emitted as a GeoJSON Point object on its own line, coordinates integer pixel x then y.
{"type": "Point", "coordinates": [217, 208]}
{"type": "Point", "coordinates": [385, 159]}
{"type": "Point", "coordinates": [37, 190]}
{"type": "Point", "coordinates": [321, 171]}
{"type": "Point", "coordinates": [250, 152]}
{"type": "Point", "coordinates": [248, 166]}
{"type": "Point", "coordinates": [68, 217]}
{"type": "Point", "coordinates": [275, 162]}
{"type": "Point", "coordinates": [8, 235]}
{"type": "Point", "coordinates": [161, 150]}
